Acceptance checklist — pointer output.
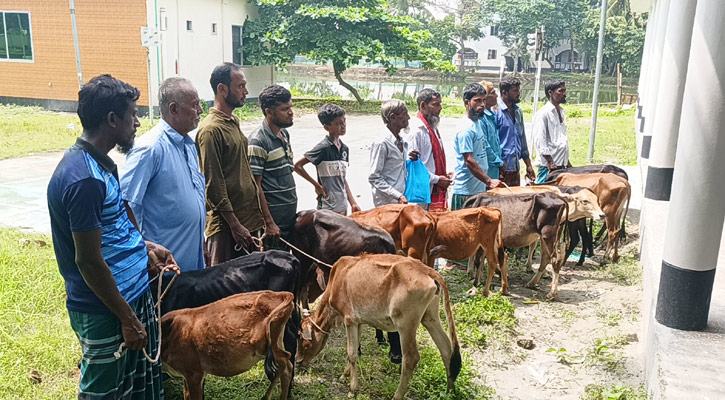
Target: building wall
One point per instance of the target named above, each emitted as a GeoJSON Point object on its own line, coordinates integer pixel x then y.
{"type": "Point", "coordinates": [194, 53]}
{"type": "Point", "coordinates": [109, 40]}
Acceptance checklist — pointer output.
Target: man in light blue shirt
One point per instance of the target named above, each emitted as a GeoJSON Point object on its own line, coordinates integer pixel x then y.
{"type": "Point", "coordinates": [161, 181]}
{"type": "Point", "coordinates": [471, 175]}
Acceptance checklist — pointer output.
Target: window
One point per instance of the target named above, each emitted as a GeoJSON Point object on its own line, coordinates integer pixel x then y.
{"type": "Point", "coordinates": [238, 46]}
{"type": "Point", "coordinates": [188, 25]}
{"type": "Point", "coordinates": [16, 41]}
{"type": "Point", "coordinates": [213, 28]}
{"type": "Point", "coordinates": [491, 54]}
{"type": "Point", "coordinates": [494, 30]}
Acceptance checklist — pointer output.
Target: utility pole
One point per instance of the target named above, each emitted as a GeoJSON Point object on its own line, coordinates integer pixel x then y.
{"type": "Point", "coordinates": [539, 46]}
{"type": "Point", "coordinates": [75, 43]}
{"type": "Point", "coordinates": [595, 101]}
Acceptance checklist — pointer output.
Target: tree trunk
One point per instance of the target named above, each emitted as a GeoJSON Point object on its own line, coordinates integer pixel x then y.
{"type": "Point", "coordinates": [338, 75]}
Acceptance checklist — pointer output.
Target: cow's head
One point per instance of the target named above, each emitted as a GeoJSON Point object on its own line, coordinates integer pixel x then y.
{"type": "Point", "coordinates": [584, 204]}
{"type": "Point", "coordinates": [312, 340]}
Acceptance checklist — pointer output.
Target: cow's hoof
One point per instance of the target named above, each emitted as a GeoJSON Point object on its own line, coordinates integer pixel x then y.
{"type": "Point", "coordinates": [396, 359]}
{"type": "Point", "coordinates": [350, 395]}
{"type": "Point", "coordinates": [382, 342]}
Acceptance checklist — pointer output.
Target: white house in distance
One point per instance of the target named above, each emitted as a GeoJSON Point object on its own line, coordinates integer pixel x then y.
{"type": "Point", "coordinates": [490, 54]}
{"type": "Point", "coordinates": [197, 35]}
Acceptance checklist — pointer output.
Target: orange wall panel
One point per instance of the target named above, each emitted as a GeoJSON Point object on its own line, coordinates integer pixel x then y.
{"type": "Point", "coordinates": [109, 35]}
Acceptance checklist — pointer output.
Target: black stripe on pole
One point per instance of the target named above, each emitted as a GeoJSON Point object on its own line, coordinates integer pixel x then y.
{"type": "Point", "coordinates": [683, 301]}
{"type": "Point", "coordinates": [659, 183]}
{"type": "Point", "coordinates": [646, 143]}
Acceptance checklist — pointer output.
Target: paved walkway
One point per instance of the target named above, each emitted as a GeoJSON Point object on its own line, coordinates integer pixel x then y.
{"type": "Point", "coordinates": [23, 181]}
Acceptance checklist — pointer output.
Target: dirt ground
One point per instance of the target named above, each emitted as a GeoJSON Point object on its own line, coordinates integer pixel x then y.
{"type": "Point", "coordinates": [593, 328]}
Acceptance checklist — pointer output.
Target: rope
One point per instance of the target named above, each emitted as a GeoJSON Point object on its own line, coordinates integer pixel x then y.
{"type": "Point", "coordinates": [259, 243]}
{"type": "Point", "coordinates": [306, 313]}
{"type": "Point", "coordinates": [157, 306]}
{"type": "Point", "coordinates": [506, 186]}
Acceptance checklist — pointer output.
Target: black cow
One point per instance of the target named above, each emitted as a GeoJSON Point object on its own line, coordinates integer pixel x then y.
{"type": "Point", "coordinates": [587, 169]}
{"type": "Point", "coordinates": [328, 236]}
{"type": "Point", "coordinates": [526, 219]}
{"type": "Point", "coordinates": [270, 270]}
{"type": "Point", "coordinates": [578, 231]}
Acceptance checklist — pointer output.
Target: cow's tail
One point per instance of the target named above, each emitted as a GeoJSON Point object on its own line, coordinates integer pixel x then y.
{"type": "Point", "coordinates": [499, 243]}
{"type": "Point", "coordinates": [270, 365]}
{"type": "Point", "coordinates": [455, 361]}
{"type": "Point", "coordinates": [626, 209]}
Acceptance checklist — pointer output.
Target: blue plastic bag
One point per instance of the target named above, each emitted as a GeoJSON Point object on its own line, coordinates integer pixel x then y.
{"type": "Point", "coordinates": [417, 186]}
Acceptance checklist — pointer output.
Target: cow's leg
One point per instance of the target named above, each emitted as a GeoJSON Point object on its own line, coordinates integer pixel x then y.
{"type": "Point", "coordinates": [530, 259]}
{"type": "Point", "coordinates": [352, 344]}
{"type": "Point", "coordinates": [395, 351]}
{"type": "Point", "coordinates": [194, 385]}
{"type": "Point", "coordinates": [472, 270]}
{"type": "Point", "coordinates": [587, 242]}
{"type": "Point", "coordinates": [432, 323]}
{"type": "Point", "coordinates": [548, 247]}
{"type": "Point", "coordinates": [574, 238]}
{"type": "Point", "coordinates": [492, 265]}
{"type": "Point", "coordinates": [407, 330]}
{"type": "Point", "coordinates": [380, 337]}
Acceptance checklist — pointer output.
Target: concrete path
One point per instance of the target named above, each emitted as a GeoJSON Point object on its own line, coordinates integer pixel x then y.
{"type": "Point", "coordinates": [23, 181]}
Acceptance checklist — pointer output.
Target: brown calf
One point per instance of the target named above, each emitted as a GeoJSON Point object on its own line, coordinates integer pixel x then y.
{"type": "Point", "coordinates": [462, 232]}
{"type": "Point", "coordinates": [411, 227]}
{"type": "Point", "coordinates": [389, 292]}
{"type": "Point", "coordinates": [226, 338]}
{"type": "Point", "coordinates": [613, 193]}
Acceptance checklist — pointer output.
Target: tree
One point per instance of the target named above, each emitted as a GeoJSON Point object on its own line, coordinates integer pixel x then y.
{"type": "Point", "coordinates": [623, 38]}
{"type": "Point", "coordinates": [341, 32]}
{"type": "Point", "coordinates": [465, 21]}
{"type": "Point", "coordinates": [519, 18]}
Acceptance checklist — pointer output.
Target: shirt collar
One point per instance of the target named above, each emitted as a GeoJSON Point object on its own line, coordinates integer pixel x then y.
{"type": "Point", "coordinates": [268, 131]}
{"type": "Point", "coordinates": [102, 159]}
{"type": "Point", "coordinates": [172, 133]}
{"type": "Point", "coordinates": [222, 115]}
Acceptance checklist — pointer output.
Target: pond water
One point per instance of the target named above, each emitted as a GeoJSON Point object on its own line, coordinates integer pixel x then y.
{"type": "Point", "coordinates": [371, 90]}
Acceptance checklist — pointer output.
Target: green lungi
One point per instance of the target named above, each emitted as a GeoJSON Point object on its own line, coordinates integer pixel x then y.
{"type": "Point", "coordinates": [131, 377]}
{"type": "Point", "coordinates": [457, 201]}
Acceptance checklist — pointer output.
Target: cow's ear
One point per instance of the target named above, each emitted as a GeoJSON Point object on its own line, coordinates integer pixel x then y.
{"type": "Point", "coordinates": [306, 332]}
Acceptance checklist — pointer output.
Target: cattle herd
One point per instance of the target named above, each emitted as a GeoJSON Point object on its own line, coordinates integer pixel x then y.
{"type": "Point", "coordinates": [225, 319]}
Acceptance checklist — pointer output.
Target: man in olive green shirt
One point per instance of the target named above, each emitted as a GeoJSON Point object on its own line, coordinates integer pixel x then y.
{"type": "Point", "coordinates": [232, 203]}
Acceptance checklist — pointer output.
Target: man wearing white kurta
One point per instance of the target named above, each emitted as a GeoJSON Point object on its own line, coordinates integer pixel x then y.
{"type": "Point", "coordinates": [549, 132]}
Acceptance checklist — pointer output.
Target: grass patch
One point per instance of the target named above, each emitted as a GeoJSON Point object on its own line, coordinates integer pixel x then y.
{"type": "Point", "coordinates": [35, 333]}
{"type": "Point", "coordinates": [479, 318]}
{"type": "Point", "coordinates": [614, 392]}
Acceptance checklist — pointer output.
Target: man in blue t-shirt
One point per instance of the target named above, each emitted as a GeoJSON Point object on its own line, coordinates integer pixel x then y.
{"type": "Point", "coordinates": [101, 255]}
{"type": "Point", "coordinates": [471, 173]}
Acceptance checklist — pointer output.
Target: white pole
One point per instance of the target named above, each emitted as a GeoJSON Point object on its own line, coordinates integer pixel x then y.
{"type": "Point", "coordinates": [148, 72]}
{"type": "Point", "coordinates": [695, 220]}
{"type": "Point", "coordinates": [538, 68]}
{"type": "Point", "coordinates": [673, 75]}
{"type": "Point", "coordinates": [653, 78]}
{"type": "Point", "coordinates": [79, 70]}
{"type": "Point", "coordinates": [595, 100]}
{"type": "Point", "coordinates": [642, 72]}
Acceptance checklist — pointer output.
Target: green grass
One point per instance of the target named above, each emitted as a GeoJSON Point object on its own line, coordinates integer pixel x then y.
{"type": "Point", "coordinates": [35, 335]}
{"type": "Point", "coordinates": [27, 130]}
{"type": "Point", "coordinates": [614, 392]}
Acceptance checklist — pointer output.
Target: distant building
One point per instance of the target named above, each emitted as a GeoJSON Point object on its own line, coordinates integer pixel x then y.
{"type": "Point", "coordinates": [489, 53]}
{"type": "Point", "coordinates": [38, 63]}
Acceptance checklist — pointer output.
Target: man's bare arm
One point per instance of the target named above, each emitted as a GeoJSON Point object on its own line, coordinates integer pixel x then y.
{"type": "Point", "coordinates": [97, 276]}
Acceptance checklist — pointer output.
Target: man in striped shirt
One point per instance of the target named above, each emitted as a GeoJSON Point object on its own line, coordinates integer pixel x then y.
{"type": "Point", "coordinates": [270, 156]}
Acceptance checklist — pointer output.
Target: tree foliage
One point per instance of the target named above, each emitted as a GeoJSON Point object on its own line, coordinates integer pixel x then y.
{"type": "Point", "coordinates": [341, 32]}
{"type": "Point", "coordinates": [623, 40]}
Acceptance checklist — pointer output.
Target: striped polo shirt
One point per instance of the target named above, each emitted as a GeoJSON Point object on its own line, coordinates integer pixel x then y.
{"type": "Point", "coordinates": [271, 158]}
{"type": "Point", "coordinates": [84, 195]}
{"type": "Point", "coordinates": [331, 164]}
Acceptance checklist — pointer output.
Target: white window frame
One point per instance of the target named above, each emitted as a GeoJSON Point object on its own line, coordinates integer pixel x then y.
{"type": "Point", "coordinates": [30, 28]}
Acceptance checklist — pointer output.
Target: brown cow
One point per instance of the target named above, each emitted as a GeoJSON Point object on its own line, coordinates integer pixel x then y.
{"type": "Point", "coordinates": [411, 227]}
{"type": "Point", "coordinates": [226, 338]}
{"type": "Point", "coordinates": [391, 293]}
{"type": "Point", "coordinates": [613, 192]}
{"type": "Point", "coordinates": [526, 219]}
{"type": "Point", "coordinates": [462, 232]}
{"type": "Point", "coordinates": [583, 203]}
